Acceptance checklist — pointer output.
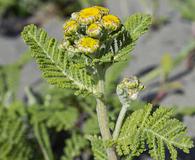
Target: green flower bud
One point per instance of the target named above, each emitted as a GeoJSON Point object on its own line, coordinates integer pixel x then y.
{"type": "Point", "coordinates": [70, 27]}
{"type": "Point", "coordinates": [111, 22]}
{"type": "Point", "coordinates": [103, 10]}
{"type": "Point", "coordinates": [129, 89]}
{"type": "Point", "coordinates": [65, 44]}
{"type": "Point", "coordinates": [94, 30]}
{"type": "Point", "coordinates": [75, 15]}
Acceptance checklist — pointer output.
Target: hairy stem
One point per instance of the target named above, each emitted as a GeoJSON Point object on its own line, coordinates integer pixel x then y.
{"type": "Point", "coordinates": [103, 120]}
{"type": "Point", "coordinates": [104, 129]}
{"type": "Point", "coordinates": [120, 121]}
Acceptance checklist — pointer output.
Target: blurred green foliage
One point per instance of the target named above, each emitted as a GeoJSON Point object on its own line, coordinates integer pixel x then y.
{"type": "Point", "coordinates": [4, 4]}
{"type": "Point", "coordinates": [23, 8]}
{"type": "Point", "coordinates": [186, 8]}
{"type": "Point", "coordinates": [19, 7]}
{"type": "Point", "coordinates": [15, 139]}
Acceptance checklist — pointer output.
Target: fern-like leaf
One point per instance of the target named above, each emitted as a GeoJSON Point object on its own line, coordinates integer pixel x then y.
{"type": "Point", "coordinates": [55, 63]}
{"type": "Point", "coordinates": [124, 41]}
{"type": "Point", "coordinates": [14, 141]}
{"type": "Point", "coordinates": [136, 25]}
{"type": "Point", "coordinates": [53, 116]}
{"type": "Point", "coordinates": [98, 148]}
{"type": "Point", "coordinates": [91, 126]}
{"type": "Point", "coordinates": [73, 147]}
{"type": "Point", "coordinates": [157, 130]}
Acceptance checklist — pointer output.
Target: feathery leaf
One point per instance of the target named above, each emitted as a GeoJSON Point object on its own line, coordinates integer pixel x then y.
{"type": "Point", "coordinates": [73, 147]}
{"type": "Point", "coordinates": [55, 63]}
{"type": "Point", "coordinates": [98, 148]}
{"type": "Point", "coordinates": [136, 25]}
{"type": "Point", "coordinates": [157, 130]}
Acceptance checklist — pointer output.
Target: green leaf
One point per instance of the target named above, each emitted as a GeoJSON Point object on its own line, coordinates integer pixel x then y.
{"type": "Point", "coordinates": [43, 139]}
{"type": "Point", "coordinates": [14, 140]}
{"type": "Point", "coordinates": [122, 54]}
{"type": "Point", "coordinates": [73, 147]}
{"type": "Point", "coordinates": [157, 130]}
{"type": "Point", "coordinates": [107, 58]}
{"type": "Point", "coordinates": [98, 148]}
{"type": "Point", "coordinates": [53, 116]}
{"type": "Point", "coordinates": [186, 8]}
{"type": "Point", "coordinates": [136, 25]}
{"type": "Point", "coordinates": [9, 82]}
{"type": "Point", "coordinates": [91, 126]}
{"type": "Point", "coordinates": [55, 64]}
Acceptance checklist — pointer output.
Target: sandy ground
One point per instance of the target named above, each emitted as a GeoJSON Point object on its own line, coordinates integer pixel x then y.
{"type": "Point", "coordinates": [170, 38]}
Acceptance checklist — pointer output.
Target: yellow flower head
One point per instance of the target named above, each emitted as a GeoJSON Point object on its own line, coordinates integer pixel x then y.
{"type": "Point", "coordinates": [89, 15]}
{"type": "Point", "coordinates": [85, 29]}
{"type": "Point", "coordinates": [88, 45]}
{"type": "Point", "coordinates": [70, 27]}
{"type": "Point", "coordinates": [103, 10]}
{"type": "Point", "coordinates": [94, 30]}
{"type": "Point", "coordinates": [111, 22]}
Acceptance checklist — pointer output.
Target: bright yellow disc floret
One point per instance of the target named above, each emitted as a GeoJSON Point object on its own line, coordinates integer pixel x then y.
{"type": "Point", "coordinates": [70, 27]}
{"type": "Point", "coordinates": [111, 22]}
{"type": "Point", "coordinates": [88, 45]}
{"type": "Point", "coordinates": [94, 30]}
{"type": "Point", "coordinates": [89, 15]}
{"type": "Point", "coordinates": [103, 10]}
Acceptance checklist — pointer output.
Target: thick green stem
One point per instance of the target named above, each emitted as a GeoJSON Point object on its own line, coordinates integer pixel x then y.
{"type": "Point", "coordinates": [103, 120]}
{"type": "Point", "coordinates": [119, 121]}
{"type": "Point", "coordinates": [104, 128]}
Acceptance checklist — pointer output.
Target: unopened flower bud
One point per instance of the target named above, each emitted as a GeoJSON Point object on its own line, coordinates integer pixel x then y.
{"type": "Point", "coordinates": [111, 22]}
{"type": "Point", "coordinates": [129, 89]}
{"type": "Point", "coordinates": [88, 45]}
{"type": "Point", "coordinates": [70, 27]}
{"type": "Point", "coordinates": [89, 15]}
{"type": "Point", "coordinates": [94, 30]}
{"type": "Point", "coordinates": [75, 15]}
{"type": "Point", "coordinates": [104, 11]}
{"type": "Point", "coordinates": [65, 44]}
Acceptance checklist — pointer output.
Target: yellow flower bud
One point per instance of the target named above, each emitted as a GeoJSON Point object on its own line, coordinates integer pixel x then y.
{"type": "Point", "coordinates": [70, 27]}
{"type": "Point", "coordinates": [103, 10]}
{"type": "Point", "coordinates": [111, 22]}
{"type": "Point", "coordinates": [94, 30]}
{"type": "Point", "coordinates": [89, 15]}
{"type": "Point", "coordinates": [88, 45]}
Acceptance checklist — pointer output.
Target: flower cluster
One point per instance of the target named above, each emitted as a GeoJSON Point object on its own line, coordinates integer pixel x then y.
{"type": "Point", "coordinates": [84, 30]}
